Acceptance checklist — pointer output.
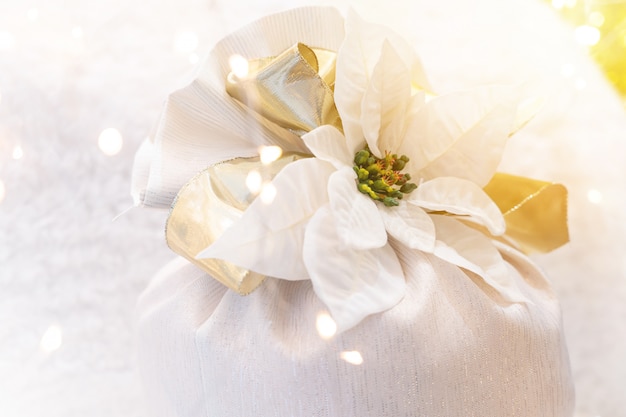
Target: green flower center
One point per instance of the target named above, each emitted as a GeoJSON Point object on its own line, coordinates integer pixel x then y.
{"type": "Point", "coordinates": [381, 178]}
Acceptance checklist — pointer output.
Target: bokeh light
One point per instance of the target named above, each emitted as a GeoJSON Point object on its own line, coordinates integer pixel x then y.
{"type": "Point", "coordinates": [600, 26]}
{"type": "Point", "coordinates": [268, 193]}
{"type": "Point", "coordinates": [254, 181]}
{"type": "Point", "coordinates": [596, 19]}
{"type": "Point", "coordinates": [18, 152]}
{"type": "Point", "coordinates": [52, 339]}
{"type": "Point", "coordinates": [325, 325]}
{"type": "Point", "coordinates": [594, 196]}
{"type": "Point", "coordinates": [587, 35]}
{"type": "Point", "coordinates": [239, 66]}
{"type": "Point", "coordinates": [269, 154]}
{"type": "Point", "coordinates": [110, 141]}
{"type": "Point", "coordinates": [353, 357]}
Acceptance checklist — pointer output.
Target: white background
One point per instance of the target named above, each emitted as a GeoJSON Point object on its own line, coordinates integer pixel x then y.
{"type": "Point", "coordinates": [70, 277]}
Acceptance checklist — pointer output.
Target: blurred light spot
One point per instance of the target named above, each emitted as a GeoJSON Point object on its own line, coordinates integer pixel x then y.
{"type": "Point", "coordinates": [594, 196]}
{"type": "Point", "coordinates": [353, 357]}
{"type": "Point", "coordinates": [186, 42]}
{"type": "Point", "coordinates": [77, 32]}
{"type": "Point", "coordinates": [194, 58]}
{"type": "Point", "coordinates": [110, 141]}
{"type": "Point", "coordinates": [226, 223]}
{"type": "Point", "coordinates": [33, 14]}
{"type": "Point", "coordinates": [268, 194]}
{"type": "Point", "coordinates": [254, 181]}
{"type": "Point", "coordinates": [2, 191]}
{"type": "Point", "coordinates": [570, 3]}
{"type": "Point", "coordinates": [326, 326]}
{"type": "Point", "coordinates": [567, 70]}
{"type": "Point", "coordinates": [580, 84]}
{"type": "Point", "coordinates": [587, 35]}
{"type": "Point", "coordinates": [558, 4]}
{"type": "Point", "coordinates": [7, 41]}
{"type": "Point", "coordinates": [18, 152]}
{"type": "Point", "coordinates": [269, 154]}
{"type": "Point", "coordinates": [238, 65]}
{"type": "Point", "coordinates": [596, 19]}
{"type": "Point", "coordinates": [52, 339]}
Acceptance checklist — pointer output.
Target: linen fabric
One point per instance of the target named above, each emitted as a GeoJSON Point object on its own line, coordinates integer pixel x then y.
{"type": "Point", "coordinates": [451, 348]}
{"type": "Point", "coordinates": [180, 147]}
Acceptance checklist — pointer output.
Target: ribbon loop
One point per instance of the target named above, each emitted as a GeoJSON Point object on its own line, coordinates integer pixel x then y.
{"type": "Point", "coordinates": [293, 90]}
{"type": "Point", "coordinates": [535, 211]}
{"type": "Point", "coordinates": [210, 203]}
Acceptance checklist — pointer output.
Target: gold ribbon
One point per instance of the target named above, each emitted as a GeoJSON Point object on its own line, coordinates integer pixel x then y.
{"type": "Point", "coordinates": [535, 211]}
{"type": "Point", "coordinates": [208, 205]}
{"type": "Point", "coordinates": [295, 91]}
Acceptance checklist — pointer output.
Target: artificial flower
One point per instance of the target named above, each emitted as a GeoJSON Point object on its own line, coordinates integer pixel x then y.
{"type": "Point", "coordinates": [328, 225]}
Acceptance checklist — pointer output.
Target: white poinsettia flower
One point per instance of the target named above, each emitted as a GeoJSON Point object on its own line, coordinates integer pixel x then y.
{"type": "Point", "coordinates": [333, 215]}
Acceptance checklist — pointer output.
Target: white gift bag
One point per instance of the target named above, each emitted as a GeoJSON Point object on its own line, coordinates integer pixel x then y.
{"type": "Point", "coordinates": [450, 348]}
{"type": "Point", "coordinates": [364, 299]}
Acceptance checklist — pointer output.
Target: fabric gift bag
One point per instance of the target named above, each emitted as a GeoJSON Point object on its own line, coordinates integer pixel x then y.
{"type": "Point", "coordinates": [369, 292]}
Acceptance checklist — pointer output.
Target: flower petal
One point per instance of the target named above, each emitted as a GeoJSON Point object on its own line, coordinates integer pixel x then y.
{"type": "Point", "coordinates": [462, 197]}
{"type": "Point", "coordinates": [461, 135]}
{"type": "Point", "coordinates": [410, 225]}
{"type": "Point", "coordinates": [356, 59]}
{"type": "Point", "coordinates": [526, 111]}
{"type": "Point", "coordinates": [358, 221]}
{"type": "Point", "coordinates": [352, 283]}
{"type": "Point", "coordinates": [469, 249]}
{"type": "Point", "coordinates": [268, 238]}
{"type": "Point", "coordinates": [385, 102]}
{"type": "Point", "coordinates": [328, 144]}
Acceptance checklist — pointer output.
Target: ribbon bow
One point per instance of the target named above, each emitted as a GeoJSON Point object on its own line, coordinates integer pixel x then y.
{"type": "Point", "coordinates": [295, 91]}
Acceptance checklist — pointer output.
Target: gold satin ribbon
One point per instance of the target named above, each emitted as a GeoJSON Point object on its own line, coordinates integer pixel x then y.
{"type": "Point", "coordinates": [295, 91]}
{"type": "Point", "coordinates": [535, 211]}
{"type": "Point", "coordinates": [208, 205]}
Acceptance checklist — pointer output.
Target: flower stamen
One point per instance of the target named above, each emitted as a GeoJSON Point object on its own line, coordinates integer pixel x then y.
{"type": "Point", "coordinates": [380, 178]}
